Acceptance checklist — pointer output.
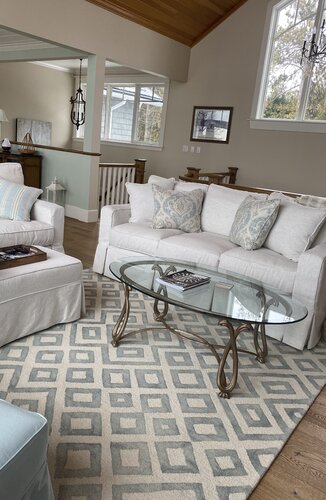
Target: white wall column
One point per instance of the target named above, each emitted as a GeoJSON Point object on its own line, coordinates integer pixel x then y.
{"type": "Point", "coordinates": [92, 138]}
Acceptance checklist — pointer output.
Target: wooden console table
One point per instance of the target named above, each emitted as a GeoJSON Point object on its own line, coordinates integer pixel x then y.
{"type": "Point", "coordinates": [31, 165]}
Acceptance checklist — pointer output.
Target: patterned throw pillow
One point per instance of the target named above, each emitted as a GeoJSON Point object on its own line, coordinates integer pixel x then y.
{"type": "Point", "coordinates": [16, 200]}
{"type": "Point", "coordinates": [253, 221]}
{"type": "Point", "coordinates": [177, 210]}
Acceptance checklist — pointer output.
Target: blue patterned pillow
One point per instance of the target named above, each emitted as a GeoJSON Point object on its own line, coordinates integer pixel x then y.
{"type": "Point", "coordinates": [253, 221]}
{"type": "Point", "coordinates": [177, 210]}
{"type": "Point", "coordinates": [16, 200]}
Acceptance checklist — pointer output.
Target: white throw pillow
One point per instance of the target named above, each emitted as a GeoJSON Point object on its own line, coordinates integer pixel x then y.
{"type": "Point", "coordinates": [220, 206]}
{"type": "Point", "coordinates": [183, 186]}
{"type": "Point", "coordinates": [295, 228]}
{"type": "Point", "coordinates": [141, 198]}
{"type": "Point", "coordinates": [12, 172]}
{"type": "Point", "coordinates": [156, 179]}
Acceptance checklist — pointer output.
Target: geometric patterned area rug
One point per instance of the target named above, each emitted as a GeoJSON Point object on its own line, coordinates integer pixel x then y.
{"type": "Point", "coordinates": [144, 421]}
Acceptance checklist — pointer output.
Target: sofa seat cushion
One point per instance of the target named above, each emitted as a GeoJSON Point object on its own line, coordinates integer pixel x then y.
{"type": "Point", "coordinates": [14, 232]}
{"type": "Point", "coordinates": [203, 248]}
{"type": "Point", "coordinates": [139, 237]}
{"type": "Point", "coordinates": [263, 264]}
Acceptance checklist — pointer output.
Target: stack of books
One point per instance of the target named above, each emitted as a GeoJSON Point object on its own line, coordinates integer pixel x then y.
{"type": "Point", "coordinates": [183, 280]}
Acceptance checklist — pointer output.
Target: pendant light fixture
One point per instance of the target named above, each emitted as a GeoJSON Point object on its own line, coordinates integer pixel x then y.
{"type": "Point", "coordinates": [78, 105]}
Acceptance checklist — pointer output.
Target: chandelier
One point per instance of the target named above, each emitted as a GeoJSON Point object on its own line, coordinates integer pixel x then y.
{"type": "Point", "coordinates": [316, 49]}
{"type": "Point", "coordinates": [78, 105]}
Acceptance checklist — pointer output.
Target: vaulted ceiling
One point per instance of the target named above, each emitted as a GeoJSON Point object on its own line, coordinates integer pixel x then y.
{"type": "Point", "coordinates": [186, 21]}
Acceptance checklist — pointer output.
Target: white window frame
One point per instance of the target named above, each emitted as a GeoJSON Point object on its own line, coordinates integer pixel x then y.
{"type": "Point", "coordinates": [123, 80]}
{"type": "Point", "coordinates": [256, 122]}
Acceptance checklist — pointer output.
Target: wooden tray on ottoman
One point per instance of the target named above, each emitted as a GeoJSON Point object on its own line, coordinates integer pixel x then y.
{"type": "Point", "coordinates": [18, 255]}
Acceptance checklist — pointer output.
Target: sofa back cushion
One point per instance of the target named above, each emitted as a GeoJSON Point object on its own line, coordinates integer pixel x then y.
{"type": "Point", "coordinates": [177, 210]}
{"type": "Point", "coordinates": [220, 206]}
{"type": "Point", "coordinates": [16, 200]}
{"type": "Point", "coordinates": [141, 198]}
{"type": "Point", "coordinates": [317, 202]}
{"type": "Point", "coordinates": [190, 186]}
{"type": "Point", "coordinates": [295, 228]}
{"type": "Point", "coordinates": [12, 172]}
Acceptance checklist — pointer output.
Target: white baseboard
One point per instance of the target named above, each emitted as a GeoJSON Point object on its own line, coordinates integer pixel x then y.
{"type": "Point", "coordinates": [81, 213]}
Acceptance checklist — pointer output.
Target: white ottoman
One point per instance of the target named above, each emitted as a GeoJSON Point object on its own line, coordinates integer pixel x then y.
{"type": "Point", "coordinates": [24, 470]}
{"type": "Point", "coordinates": [36, 296]}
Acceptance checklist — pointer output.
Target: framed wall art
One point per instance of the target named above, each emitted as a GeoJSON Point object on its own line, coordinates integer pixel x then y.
{"type": "Point", "coordinates": [211, 124]}
{"type": "Point", "coordinates": [40, 131]}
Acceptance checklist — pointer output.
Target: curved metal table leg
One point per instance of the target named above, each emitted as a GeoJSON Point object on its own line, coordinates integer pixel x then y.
{"type": "Point", "coordinates": [120, 325]}
{"type": "Point", "coordinates": [227, 387]}
{"type": "Point", "coordinates": [261, 350]}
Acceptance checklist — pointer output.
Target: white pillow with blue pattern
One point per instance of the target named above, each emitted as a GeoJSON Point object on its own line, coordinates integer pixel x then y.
{"type": "Point", "coordinates": [16, 200]}
{"type": "Point", "coordinates": [253, 221]}
{"type": "Point", "coordinates": [177, 210]}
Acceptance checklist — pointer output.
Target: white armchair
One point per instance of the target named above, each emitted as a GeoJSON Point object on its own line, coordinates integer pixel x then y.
{"type": "Point", "coordinates": [47, 219]}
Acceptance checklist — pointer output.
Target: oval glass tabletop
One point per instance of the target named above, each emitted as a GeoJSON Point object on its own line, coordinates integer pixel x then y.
{"type": "Point", "coordinates": [226, 295]}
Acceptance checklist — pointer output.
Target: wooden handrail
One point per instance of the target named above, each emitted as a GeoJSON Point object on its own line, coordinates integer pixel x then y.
{"type": "Point", "coordinates": [194, 175]}
{"type": "Point", "coordinates": [65, 150]}
{"type": "Point", "coordinates": [139, 165]}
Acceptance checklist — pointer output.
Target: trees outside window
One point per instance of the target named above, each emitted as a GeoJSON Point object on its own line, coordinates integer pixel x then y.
{"type": "Point", "coordinates": [291, 90]}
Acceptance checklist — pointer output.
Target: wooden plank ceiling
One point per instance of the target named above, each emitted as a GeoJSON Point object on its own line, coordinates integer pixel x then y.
{"type": "Point", "coordinates": [186, 21]}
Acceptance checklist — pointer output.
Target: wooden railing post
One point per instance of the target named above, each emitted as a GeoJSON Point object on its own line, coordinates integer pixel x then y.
{"type": "Point", "coordinates": [233, 174]}
{"type": "Point", "coordinates": [140, 171]}
{"type": "Point", "coordinates": [193, 172]}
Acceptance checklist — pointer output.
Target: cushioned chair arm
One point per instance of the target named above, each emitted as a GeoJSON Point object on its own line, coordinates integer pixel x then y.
{"type": "Point", "coordinates": [112, 215]}
{"type": "Point", "coordinates": [310, 287]}
{"type": "Point", "coordinates": [52, 214]}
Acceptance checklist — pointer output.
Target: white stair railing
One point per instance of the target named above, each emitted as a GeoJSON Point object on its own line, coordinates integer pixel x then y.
{"type": "Point", "coordinates": [112, 180]}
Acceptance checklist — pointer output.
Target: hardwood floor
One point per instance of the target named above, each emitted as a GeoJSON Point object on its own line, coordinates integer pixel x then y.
{"type": "Point", "coordinates": [299, 471]}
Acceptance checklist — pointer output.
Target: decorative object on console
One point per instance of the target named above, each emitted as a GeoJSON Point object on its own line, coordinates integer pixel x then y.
{"type": "Point", "coordinates": [27, 146]}
{"type": "Point", "coordinates": [78, 105]}
{"type": "Point", "coordinates": [3, 118]}
{"type": "Point", "coordinates": [177, 210]}
{"type": "Point", "coordinates": [211, 124]}
{"type": "Point", "coordinates": [253, 221]}
{"type": "Point", "coordinates": [57, 192]}
{"type": "Point", "coordinates": [6, 146]}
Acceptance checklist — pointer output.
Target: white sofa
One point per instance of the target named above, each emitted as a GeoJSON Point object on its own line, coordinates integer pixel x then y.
{"type": "Point", "coordinates": [47, 219]}
{"type": "Point", "coordinates": [304, 276]}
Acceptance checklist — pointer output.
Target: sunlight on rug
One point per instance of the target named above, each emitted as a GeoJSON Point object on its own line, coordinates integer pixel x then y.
{"type": "Point", "coordinates": [144, 421]}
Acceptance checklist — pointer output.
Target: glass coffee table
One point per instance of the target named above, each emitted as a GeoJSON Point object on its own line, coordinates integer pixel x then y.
{"type": "Point", "coordinates": [238, 303]}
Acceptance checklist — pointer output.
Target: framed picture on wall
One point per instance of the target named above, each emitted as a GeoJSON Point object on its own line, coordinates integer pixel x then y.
{"type": "Point", "coordinates": [40, 131]}
{"type": "Point", "coordinates": [211, 124]}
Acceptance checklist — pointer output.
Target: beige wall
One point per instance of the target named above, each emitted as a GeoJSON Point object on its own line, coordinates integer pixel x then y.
{"type": "Point", "coordinates": [222, 72]}
{"type": "Point", "coordinates": [36, 92]}
{"type": "Point", "coordinates": [81, 25]}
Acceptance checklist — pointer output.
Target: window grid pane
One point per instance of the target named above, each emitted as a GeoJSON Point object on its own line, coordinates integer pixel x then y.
{"type": "Point", "coordinates": [293, 91]}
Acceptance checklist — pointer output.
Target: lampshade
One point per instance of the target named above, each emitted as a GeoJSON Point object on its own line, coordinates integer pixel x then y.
{"type": "Point", "coordinates": [3, 117]}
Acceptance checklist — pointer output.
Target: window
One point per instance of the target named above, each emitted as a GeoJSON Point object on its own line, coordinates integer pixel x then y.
{"type": "Point", "coordinates": [291, 91]}
{"type": "Point", "coordinates": [133, 113]}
